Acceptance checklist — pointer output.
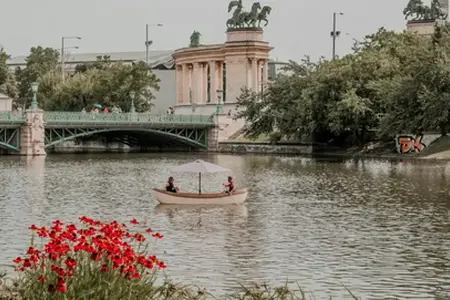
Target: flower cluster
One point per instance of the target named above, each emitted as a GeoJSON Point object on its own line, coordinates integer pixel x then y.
{"type": "Point", "coordinates": [101, 247]}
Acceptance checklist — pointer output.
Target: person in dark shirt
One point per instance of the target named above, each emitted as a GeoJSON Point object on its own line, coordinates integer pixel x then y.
{"type": "Point", "coordinates": [170, 186]}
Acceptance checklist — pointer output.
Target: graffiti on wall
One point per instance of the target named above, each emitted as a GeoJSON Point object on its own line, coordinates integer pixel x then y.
{"type": "Point", "coordinates": [414, 143]}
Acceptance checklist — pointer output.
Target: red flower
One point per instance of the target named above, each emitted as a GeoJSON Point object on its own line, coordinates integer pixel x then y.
{"type": "Point", "coordinates": [61, 286]}
{"type": "Point", "coordinates": [157, 235]}
{"type": "Point", "coordinates": [109, 245]}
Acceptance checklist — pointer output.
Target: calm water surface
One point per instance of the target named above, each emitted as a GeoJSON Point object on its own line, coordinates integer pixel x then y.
{"type": "Point", "coordinates": [380, 228]}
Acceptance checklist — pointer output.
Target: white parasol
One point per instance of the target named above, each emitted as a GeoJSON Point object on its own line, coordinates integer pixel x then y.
{"type": "Point", "coordinates": [199, 166]}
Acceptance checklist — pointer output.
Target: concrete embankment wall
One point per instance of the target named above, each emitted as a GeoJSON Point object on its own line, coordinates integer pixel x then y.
{"type": "Point", "coordinates": [264, 148]}
{"type": "Point", "coordinates": [224, 147]}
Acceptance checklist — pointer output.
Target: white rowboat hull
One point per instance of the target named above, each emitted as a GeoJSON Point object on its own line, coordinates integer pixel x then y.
{"type": "Point", "coordinates": [164, 197]}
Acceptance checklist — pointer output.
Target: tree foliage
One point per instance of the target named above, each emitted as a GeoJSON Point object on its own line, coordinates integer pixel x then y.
{"type": "Point", "coordinates": [103, 81]}
{"type": "Point", "coordinates": [391, 83]}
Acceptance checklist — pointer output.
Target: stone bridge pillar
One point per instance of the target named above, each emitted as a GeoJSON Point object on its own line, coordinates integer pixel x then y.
{"type": "Point", "coordinates": [32, 134]}
{"type": "Point", "coordinates": [213, 135]}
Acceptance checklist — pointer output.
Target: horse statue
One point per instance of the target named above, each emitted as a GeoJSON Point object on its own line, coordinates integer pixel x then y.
{"type": "Point", "coordinates": [420, 11]}
{"type": "Point", "coordinates": [252, 17]}
{"type": "Point", "coordinates": [413, 8]}
{"type": "Point", "coordinates": [262, 16]}
{"type": "Point", "coordinates": [195, 39]}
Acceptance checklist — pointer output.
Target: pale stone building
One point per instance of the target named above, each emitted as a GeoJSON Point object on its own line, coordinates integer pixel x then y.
{"type": "Point", "coordinates": [5, 103]}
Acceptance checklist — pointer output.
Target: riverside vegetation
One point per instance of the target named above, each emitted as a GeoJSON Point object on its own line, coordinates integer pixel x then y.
{"type": "Point", "coordinates": [107, 260]}
{"type": "Point", "coordinates": [105, 82]}
{"type": "Point", "coordinates": [390, 83]}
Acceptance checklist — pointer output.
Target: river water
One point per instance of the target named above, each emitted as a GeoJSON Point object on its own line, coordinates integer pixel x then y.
{"type": "Point", "coordinates": [379, 228]}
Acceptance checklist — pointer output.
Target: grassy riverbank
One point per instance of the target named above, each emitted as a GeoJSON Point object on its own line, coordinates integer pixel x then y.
{"type": "Point", "coordinates": [170, 291]}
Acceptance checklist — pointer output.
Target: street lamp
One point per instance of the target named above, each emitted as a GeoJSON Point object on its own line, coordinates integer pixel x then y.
{"type": "Point", "coordinates": [334, 34]}
{"type": "Point", "coordinates": [34, 89]}
{"type": "Point", "coordinates": [147, 42]}
{"type": "Point", "coordinates": [63, 39]}
{"type": "Point", "coordinates": [132, 95]}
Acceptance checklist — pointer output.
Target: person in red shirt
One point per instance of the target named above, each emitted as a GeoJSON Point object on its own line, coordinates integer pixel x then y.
{"type": "Point", "coordinates": [230, 186]}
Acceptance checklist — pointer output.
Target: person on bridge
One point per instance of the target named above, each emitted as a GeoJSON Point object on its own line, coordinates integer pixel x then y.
{"type": "Point", "coordinates": [230, 186]}
{"type": "Point", "coordinates": [170, 186]}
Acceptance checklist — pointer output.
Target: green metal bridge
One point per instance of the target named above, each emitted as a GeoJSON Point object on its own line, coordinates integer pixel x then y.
{"type": "Point", "coordinates": [132, 129]}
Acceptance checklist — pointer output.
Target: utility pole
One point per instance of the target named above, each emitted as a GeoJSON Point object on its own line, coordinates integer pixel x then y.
{"type": "Point", "coordinates": [335, 34]}
{"type": "Point", "coordinates": [62, 51]}
{"type": "Point", "coordinates": [147, 42]}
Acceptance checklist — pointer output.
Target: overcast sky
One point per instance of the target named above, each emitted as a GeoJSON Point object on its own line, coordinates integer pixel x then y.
{"type": "Point", "coordinates": [296, 28]}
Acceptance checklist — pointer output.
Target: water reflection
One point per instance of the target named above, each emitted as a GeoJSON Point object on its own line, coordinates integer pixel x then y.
{"type": "Point", "coordinates": [379, 227]}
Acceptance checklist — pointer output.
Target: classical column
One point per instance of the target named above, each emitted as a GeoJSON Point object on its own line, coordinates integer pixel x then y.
{"type": "Point", "coordinates": [248, 69]}
{"type": "Point", "coordinates": [254, 74]}
{"type": "Point", "coordinates": [220, 80]}
{"type": "Point", "coordinates": [259, 75]}
{"type": "Point", "coordinates": [214, 80]}
{"type": "Point", "coordinates": [186, 84]}
{"type": "Point", "coordinates": [205, 83]}
{"type": "Point", "coordinates": [196, 83]}
{"type": "Point", "coordinates": [265, 71]}
{"type": "Point", "coordinates": [179, 80]}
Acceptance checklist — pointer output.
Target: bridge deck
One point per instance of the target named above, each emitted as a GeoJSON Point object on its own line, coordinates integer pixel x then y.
{"type": "Point", "coordinates": [72, 119]}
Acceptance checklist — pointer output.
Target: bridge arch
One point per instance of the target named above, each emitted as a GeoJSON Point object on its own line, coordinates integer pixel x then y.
{"type": "Point", "coordinates": [194, 137]}
{"type": "Point", "coordinates": [8, 147]}
{"type": "Point", "coordinates": [10, 138]}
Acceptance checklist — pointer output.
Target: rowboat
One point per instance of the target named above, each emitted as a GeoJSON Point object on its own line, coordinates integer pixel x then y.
{"type": "Point", "coordinates": [164, 197]}
{"type": "Point", "coordinates": [200, 166]}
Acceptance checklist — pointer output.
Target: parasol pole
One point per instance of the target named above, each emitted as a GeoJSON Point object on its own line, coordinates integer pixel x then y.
{"type": "Point", "coordinates": [199, 182]}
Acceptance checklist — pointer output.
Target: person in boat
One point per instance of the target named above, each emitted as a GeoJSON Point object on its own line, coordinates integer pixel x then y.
{"type": "Point", "coordinates": [170, 186]}
{"type": "Point", "coordinates": [230, 186]}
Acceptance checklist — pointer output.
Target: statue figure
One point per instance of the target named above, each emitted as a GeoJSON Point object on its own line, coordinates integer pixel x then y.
{"type": "Point", "coordinates": [236, 20]}
{"type": "Point", "coordinates": [195, 39]}
{"type": "Point", "coordinates": [244, 19]}
{"type": "Point", "coordinates": [250, 18]}
{"type": "Point", "coordinates": [436, 10]}
{"type": "Point", "coordinates": [262, 16]}
{"type": "Point", "coordinates": [419, 11]}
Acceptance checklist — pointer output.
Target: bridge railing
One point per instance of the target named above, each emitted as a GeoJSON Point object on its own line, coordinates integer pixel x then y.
{"type": "Point", "coordinates": [124, 118]}
{"type": "Point", "coordinates": [11, 117]}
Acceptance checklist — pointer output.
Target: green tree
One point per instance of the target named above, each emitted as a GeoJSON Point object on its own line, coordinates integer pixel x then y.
{"type": "Point", "coordinates": [8, 85]}
{"type": "Point", "coordinates": [383, 85]}
{"type": "Point", "coordinates": [40, 61]}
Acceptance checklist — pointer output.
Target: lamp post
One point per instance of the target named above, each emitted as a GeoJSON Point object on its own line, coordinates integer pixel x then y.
{"type": "Point", "coordinates": [63, 39]}
{"type": "Point", "coordinates": [334, 34]}
{"type": "Point", "coordinates": [219, 105]}
{"type": "Point", "coordinates": [147, 42]}
{"type": "Point", "coordinates": [132, 96]}
{"type": "Point", "coordinates": [34, 89]}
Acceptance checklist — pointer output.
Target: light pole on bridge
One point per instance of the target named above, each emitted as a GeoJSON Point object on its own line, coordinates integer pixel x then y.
{"type": "Point", "coordinates": [34, 89]}
{"type": "Point", "coordinates": [132, 95]}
